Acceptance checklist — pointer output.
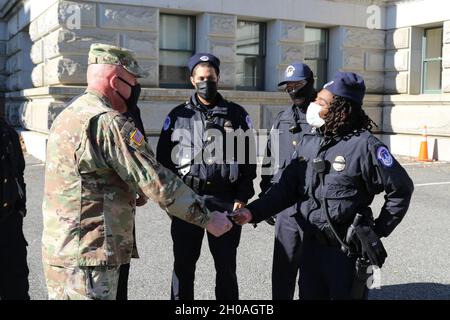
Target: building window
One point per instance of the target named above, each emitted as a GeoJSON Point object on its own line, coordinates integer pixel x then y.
{"type": "Point", "coordinates": [176, 45]}
{"type": "Point", "coordinates": [432, 61]}
{"type": "Point", "coordinates": [251, 51]}
{"type": "Point", "coordinates": [316, 54]}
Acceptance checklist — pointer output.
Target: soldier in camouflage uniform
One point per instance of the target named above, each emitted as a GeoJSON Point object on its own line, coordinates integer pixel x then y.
{"type": "Point", "coordinates": [97, 161]}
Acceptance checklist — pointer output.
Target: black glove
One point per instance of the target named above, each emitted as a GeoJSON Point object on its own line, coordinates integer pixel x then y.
{"type": "Point", "coordinates": [271, 220]}
{"type": "Point", "coordinates": [371, 246]}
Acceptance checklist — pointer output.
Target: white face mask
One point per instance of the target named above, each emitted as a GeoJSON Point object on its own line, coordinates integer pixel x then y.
{"type": "Point", "coordinates": [313, 115]}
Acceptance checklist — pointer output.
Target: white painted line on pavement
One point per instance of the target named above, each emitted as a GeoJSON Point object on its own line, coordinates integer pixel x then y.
{"type": "Point", "coordinates": [431, 184]}
{"type": "Point", "coordinates": [36, 165]}
{"type": "Point", "coordinates": [410, 163]}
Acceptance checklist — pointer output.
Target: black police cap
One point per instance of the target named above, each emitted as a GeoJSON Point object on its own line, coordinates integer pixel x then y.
{"type": "Point", "coordinates": [203, 57]}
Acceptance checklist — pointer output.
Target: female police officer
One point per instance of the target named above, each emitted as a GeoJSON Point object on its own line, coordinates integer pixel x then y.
{"type": "Point", "coordinates": [336, 176]}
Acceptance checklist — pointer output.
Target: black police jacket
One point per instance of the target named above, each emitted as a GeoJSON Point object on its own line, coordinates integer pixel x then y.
{"type": "Point", "coordinates": [359, 167]}
{"type": "Point", "coordinates": [185, 135]}
{"type": "Point", "coordinates": [282, 147]}
{"type": "Point", "coordinates": [12, 166]}
{"type": "Point", "coordinates": [291, 125]}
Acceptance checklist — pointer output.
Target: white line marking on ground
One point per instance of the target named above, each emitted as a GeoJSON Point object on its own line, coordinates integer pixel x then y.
{"type": "Point", "coordinates": [431, 184]}
{"type": "Point", "coordinates": [36, 165]}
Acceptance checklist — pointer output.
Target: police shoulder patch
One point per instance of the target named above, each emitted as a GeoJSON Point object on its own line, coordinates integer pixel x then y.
{"type": "Point", "coordinates": [137, 137]}
{"type": "Point", "coordinates": [384, 157]}
{"type": "Point", "coordinates": [166, 123]}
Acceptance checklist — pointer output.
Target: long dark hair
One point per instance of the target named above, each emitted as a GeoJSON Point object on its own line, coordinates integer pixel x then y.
{"type": "Point", "coordinates": [346, 118]}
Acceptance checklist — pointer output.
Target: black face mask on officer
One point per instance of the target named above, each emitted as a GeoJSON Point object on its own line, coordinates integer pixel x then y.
{"type": "Point", "coordinates": [132, 100]}
{"type": "Point", "coordinates": [206, 89]}
{"type": "Point", "coordinates": [305, 93]}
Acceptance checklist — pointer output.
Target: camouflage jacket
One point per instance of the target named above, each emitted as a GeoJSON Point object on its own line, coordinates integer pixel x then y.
{"type": "Point", "coordinates": [96, 162]}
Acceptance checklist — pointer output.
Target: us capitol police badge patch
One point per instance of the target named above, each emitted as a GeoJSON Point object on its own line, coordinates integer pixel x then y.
{"type": "Point", "coordinates": [385, 157]}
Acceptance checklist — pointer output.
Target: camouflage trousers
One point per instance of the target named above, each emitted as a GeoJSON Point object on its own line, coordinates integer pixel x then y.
{"type": "Point", "coordinates": [81, 283]}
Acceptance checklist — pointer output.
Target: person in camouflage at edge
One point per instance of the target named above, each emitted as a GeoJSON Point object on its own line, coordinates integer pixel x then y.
{"type": "Point", "coordinates": [97, 161]}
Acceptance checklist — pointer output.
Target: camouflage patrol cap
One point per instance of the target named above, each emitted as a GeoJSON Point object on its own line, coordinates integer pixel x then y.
{"type": "Point", "coordinates": [100, 53]}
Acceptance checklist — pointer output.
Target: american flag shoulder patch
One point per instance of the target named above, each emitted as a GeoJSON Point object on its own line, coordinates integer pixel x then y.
{"type": "Point", "coordinates": [137, 137]}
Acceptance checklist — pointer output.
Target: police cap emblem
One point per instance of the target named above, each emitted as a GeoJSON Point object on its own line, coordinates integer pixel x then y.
{"type": "Point", "coordinates": [290, 71]}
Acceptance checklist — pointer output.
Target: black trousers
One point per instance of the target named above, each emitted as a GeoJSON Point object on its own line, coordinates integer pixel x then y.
{"type": "Point", "coordinates": [122, 288]}
{"type": "Point", "coordinates": [187, 243]}
{"type": "Point", "coordinates": [13, 260]}
{"type": "Point", "coordinates": [326, 272]}
{"type": "Point", "coordinates": [286, 255]}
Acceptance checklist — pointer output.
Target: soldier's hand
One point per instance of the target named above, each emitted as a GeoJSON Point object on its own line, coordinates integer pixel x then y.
{"type": "Point", "coordinates": [238, 205]}
{"type": "Point", "coordinates": [219, 224]}
{"type": "Point", "coordinates": [242, 216]}
{"type": "Point", "coordinates": [141, 200]}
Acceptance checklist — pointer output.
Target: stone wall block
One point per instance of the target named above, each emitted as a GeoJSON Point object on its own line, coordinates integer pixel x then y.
{"type": "Point", "coordinates": [446, 36]}
{"type": "Point", "coordinates": [75, 15]}
{"type": "Point", "coordinates": [374, 81]}
{"type": "Point", "coordinates": [290, 53]}
{"type": "Point", "coordinates": [37, 53]}
{"type": "Point", "coordinates": [227, 75]}
{"type": "Point", "coordinates": [364, 38]}
{"type": "Point", "coordinates": [152, 67]}
{"type": "Point", "coordinates": [144, 44]}
{"type": "Point", "coordinates": [121, 17]}
{"type": "Point", "coordinates": [397, 60]}
{"type": "Point", "coordinates": [374, 60]}
{"type": "Point", "coordinates": [446, 80]}
{"type": "Point", "coordinates": [64, 41]}
{"type": "Point", "coordinates": [222, 25]}
{"type": "Point", "coordinates": [66, 70]}
{"type": "Point", "coordinates": [397, 39]}
{"type": "Point", "coordinates": [396, 82]}
{"type": "Point", "coordinates": [446, 56]}
{"type": "Point", "coordinates": [292, 31]}
{"type": "Point", "coordinates": [37, 75]}
{"type": "Point", "coordinates": [224, 49]}
{"type": "Point", "coordinates": [353, 59]}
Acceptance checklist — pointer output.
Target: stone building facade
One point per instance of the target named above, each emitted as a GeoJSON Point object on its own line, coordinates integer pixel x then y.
{"type": "Point", "coordinates": [44, 45]}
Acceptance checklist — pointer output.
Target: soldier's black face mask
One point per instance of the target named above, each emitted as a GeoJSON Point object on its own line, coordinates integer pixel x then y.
{"type": "Point", "coordinates": [132, 100]}
{"type": "Point", "coordinates": [206, 89]}
{"type": "Point", "coordinates": [306, 92]}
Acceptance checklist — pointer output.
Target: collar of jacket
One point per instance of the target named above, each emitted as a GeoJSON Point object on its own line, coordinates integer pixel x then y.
{"type": "Point", "coordinates": [100, 96]}
{"type": "Point", "coordinates": [197, 105]}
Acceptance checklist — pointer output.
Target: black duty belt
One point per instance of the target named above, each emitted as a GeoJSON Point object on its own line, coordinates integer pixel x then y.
{"type": "Point", "coordinates": [326, 236]}
{"type": "Point", "coordinates": [201, 186]}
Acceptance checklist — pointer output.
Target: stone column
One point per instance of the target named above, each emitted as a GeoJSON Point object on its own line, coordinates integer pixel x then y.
{"type": "Point", "coordinates": [285, 45]}
{"type": "Point", "coordinates": [18, 65]}
{"type": "Point", "coordinates": [446, 58]}
{"type": "Point", "coordinates": [398, 53]}
{"type": "Point", "coordinates": [216, 34]}
{"type": "Point", "coordinates": [3, 73]}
